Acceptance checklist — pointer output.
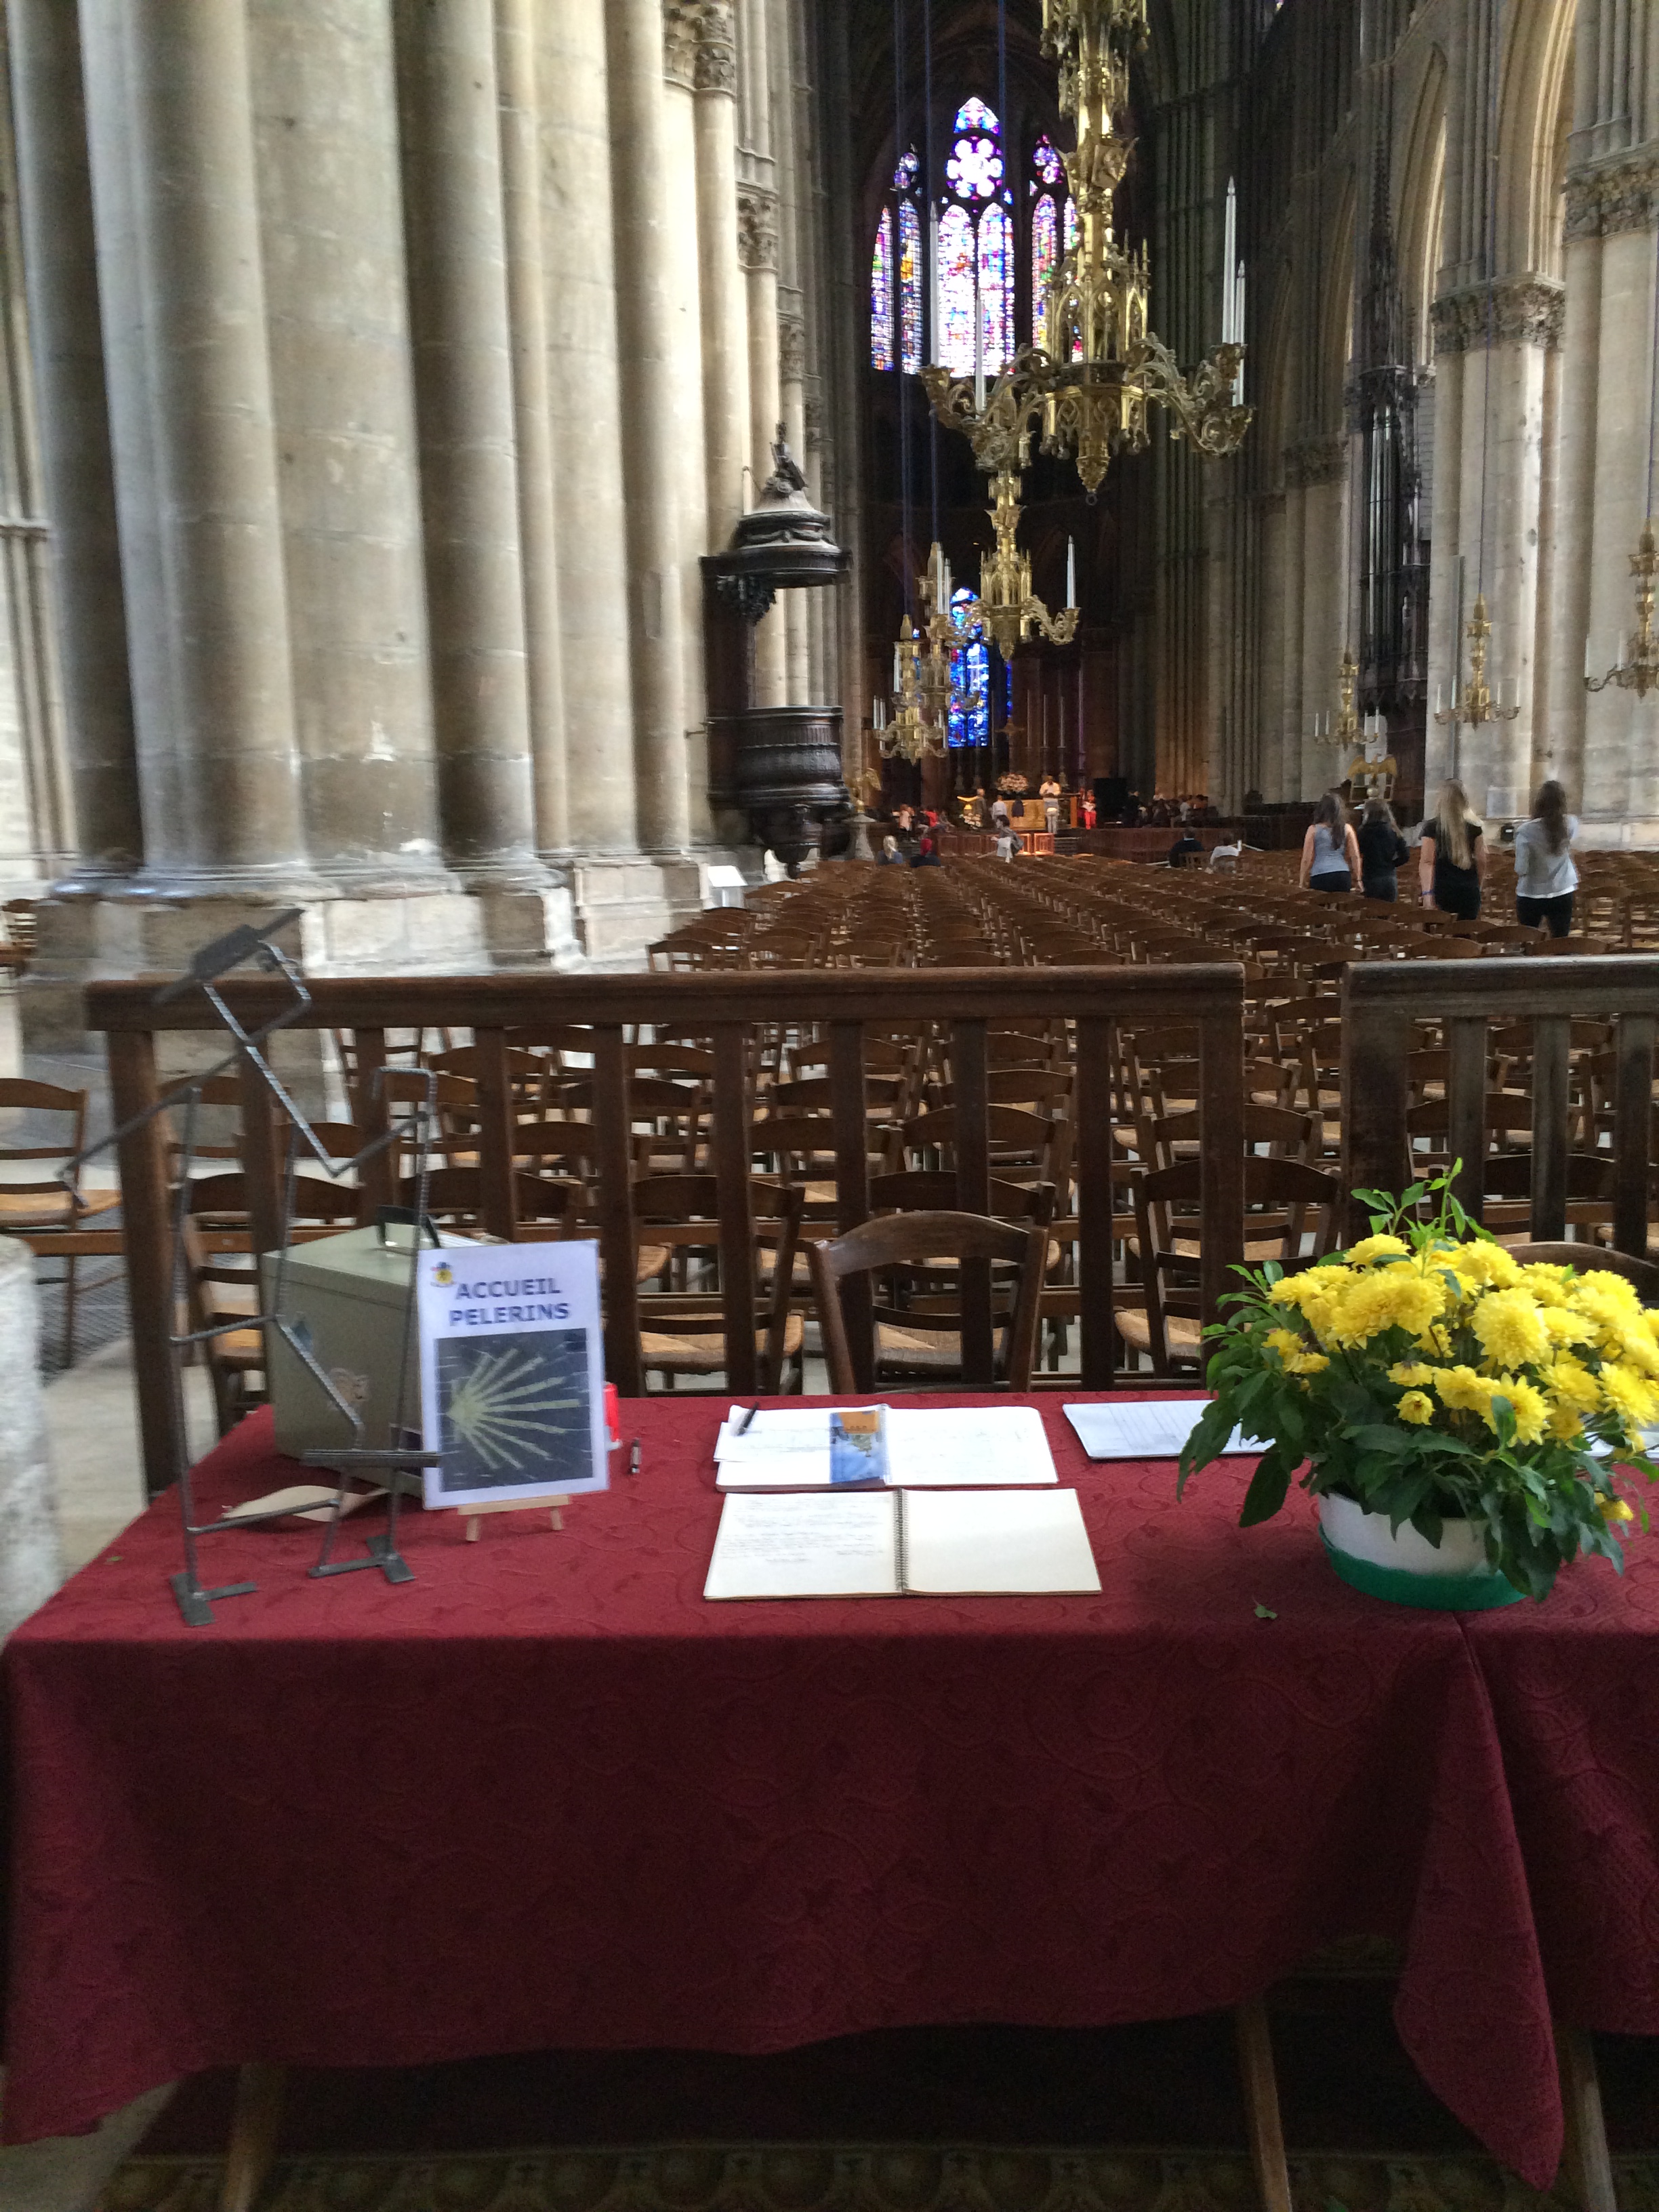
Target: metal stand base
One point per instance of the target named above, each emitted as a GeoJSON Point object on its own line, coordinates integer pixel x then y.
{"type": "Point", "coordinates": [381, 1552]}
{"type": "Point", "coordinates": [194, 1602]}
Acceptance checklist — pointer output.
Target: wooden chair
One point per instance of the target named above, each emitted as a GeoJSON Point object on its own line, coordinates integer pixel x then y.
{"type": "Point", "coordinates": [930, 1240]}
{"type": "Point", "coordinates": [221, 1295]}
{"type": "Point", "coordinates": [53, 1218]}
{"type": "Point", "coordinates": [683, 1333]}
{"type": "Point", "coordinates": [546, 1205]}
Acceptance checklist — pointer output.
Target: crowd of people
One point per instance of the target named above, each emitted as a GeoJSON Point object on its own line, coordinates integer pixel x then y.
{"type": "Point", "coordinates": [1339, 855]}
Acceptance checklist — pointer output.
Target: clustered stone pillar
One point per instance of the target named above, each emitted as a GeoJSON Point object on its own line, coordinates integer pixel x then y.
{"type": "Point", "coordinates": [464, 390]}
{"type": "Point", "coordinates": [181, 277]}
{"type": "Point", "coordinates": [326, 131]}
{"type": "Point", "coordinates": [1602, 744]}
{"type": "Point", "coordinates": [60, 260]}
{"type": "Point", "coordinates": [721, 288]}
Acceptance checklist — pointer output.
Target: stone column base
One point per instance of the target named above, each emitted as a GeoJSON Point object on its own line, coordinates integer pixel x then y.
{"type": "Point", "coordinates": [613, 908]}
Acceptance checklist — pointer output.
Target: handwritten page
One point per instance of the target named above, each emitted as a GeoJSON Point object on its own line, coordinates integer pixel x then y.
{"type": "Point", "coordinates": [843, 1545]}
{"type": "Point", "coordinates": [963, 1541]}
{"type": "Point", "coordinates": [1155, 1431]}
{"type": "Point", "coordinates": [927, 1446]}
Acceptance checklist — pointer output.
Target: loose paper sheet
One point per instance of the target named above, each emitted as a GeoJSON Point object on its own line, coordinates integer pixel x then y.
{"type": "Point", "coordinates": [963, 1541]}
{"type": "Point", "coordinates": [844, 1545]}
{"type": "Point", "coordinates": [943, 1447]}
{"type": "Point", "coordinates": [1157, 1430]}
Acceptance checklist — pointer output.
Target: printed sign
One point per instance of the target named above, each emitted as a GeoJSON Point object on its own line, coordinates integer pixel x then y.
{"type": "Point", "coordinates": [512, 1372]}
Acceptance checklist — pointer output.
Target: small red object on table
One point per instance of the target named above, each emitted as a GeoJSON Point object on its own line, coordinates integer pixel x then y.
{"type": "Point", "coordinates": [546, 1796]}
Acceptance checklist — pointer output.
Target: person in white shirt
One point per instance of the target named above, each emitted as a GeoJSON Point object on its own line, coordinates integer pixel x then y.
{"type": "Point", "coordinates": [1545, 877]}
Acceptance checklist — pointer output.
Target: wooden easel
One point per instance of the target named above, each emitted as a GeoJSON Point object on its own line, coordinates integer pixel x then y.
{"type": "Point", "coordinates": [473, 1514]}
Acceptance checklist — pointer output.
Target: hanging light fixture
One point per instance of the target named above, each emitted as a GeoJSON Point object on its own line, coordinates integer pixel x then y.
{"type": "Point", "coordinates": [1476, 704]}
{"type": "Point", "coordinates": [1637, 668]}
{"type": "Point", "coordinates": [908, 736]}
{"type": "Point", "coordinates": [1103, 366]}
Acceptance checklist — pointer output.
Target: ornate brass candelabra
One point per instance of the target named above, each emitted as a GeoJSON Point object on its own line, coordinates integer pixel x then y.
{"type": "Point", "coordinates": [1637, 670]}
{"type": "Point", "coordinates": [1091, 388]}
{"type": "Point", "coordinates": [1007, 609]}
{"type": "Point", "coordinates": [1477, 704]}
{"type": "Point", "coordinates": [908, 736]}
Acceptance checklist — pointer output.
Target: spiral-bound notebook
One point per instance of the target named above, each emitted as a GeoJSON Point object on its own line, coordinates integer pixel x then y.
{"type": "Point", "coordinates": [900, 1543]}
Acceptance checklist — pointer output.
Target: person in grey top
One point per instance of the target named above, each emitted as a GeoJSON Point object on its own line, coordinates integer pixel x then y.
{"type": "Point", "coordinates": [1330, 854]}
{"type": "Point", "coordinates": [1545, 877]}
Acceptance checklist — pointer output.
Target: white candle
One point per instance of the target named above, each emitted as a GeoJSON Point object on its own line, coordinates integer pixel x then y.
{"type": "Point", "coordinates": [1439, 697]}
{"type": "Point", "coordinates": [1586, 660]}
{"type": "Point", "coordinates": [897, 679]}
{"type": "Point", "coordinates": [1071, 572]}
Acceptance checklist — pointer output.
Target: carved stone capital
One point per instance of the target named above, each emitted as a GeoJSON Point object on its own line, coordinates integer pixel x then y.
{"type": "Point", "coordinates": [757, 227]}
{"type": "Point", "coordinates": [791, 348]}
{"type": "Point", "coordinates": [717, 49]}
{"type": "Point", "coordinates": [1524, 311]}
{"type": "Point", "coordinates": [1607, 196]}
{"type": "Point", "coordinates": [682, 29]}
{"type": "Point", "coordinates": [1315, 461]}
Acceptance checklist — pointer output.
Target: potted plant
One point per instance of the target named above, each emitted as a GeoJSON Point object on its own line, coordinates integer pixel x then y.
{"type": "Point", "coordinates": [1462, 1417]}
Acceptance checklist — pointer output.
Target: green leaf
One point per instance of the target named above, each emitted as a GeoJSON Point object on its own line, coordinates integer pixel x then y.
{"type": "Point", "coordinates": [1265, 1612]}
{"type": "Point", "coordinates": [1268, 1487]}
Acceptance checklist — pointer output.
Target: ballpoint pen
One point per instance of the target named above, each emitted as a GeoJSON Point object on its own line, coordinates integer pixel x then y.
{"type": "Point", "coordinates": [749, 1414]}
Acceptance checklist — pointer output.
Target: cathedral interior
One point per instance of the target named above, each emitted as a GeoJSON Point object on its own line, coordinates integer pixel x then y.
{"type": "Point", "coordinates": [381, 381]}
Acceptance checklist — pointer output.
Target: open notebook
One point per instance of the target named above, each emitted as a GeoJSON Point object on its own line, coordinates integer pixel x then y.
{"type": "Point", "coordinates": [1154, 1431]}
{"type": "Point", "coordinates": [898, 1543]}
{"type": "Point", "coordinates": [943, 1447]}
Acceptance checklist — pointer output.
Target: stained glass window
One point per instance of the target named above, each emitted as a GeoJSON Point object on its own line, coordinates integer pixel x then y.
{"type": "Point", "coordinates": [904, 177]}
{"type": "Point", "coordinates": [1045, 253]}
{"type": "Point", "coordinates": [909, 287]}
{"type": "Point", "coordinates": [970, 680]}
{"type": "Point", "coordinates": [1049, 167]}
{"type": "Point", "coordinates": [1071, 223]}
{"type": "Point", "coordinates": [881, 294]}
{"type": "Point", "coordinates": [975, 115]}
{"type": "Point", "coordinates": [996, 287]}
{"type": "Point", "coordinates": [956, 291]}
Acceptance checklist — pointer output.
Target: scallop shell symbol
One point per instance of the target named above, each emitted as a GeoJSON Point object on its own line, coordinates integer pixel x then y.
{"type": "Point", "coordinates": [498, 1408]}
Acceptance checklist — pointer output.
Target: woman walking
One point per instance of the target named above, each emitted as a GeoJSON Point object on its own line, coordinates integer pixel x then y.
{"type": "Point", "coordinates": [1381, 851]}
{"type": "Point", "coordinates": [1451, 861]}
{"type": "Point", "coordinates": [1545, 877]}
{"type": "Point", "coordinates": [1330, 855]}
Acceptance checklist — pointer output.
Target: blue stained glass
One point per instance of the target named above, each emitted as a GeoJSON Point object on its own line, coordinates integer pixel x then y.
{"type": "Point", "coordinates": [1049, 167]}
{"type": "Point", "coordinates": [956, 291]}
{"type": "Point", "coordinates": [975, 115]}
{"type": "Point", "coordinates": [909, 287]}
{"type": "Point", "coordinates": [881, 294]}
{"type": "Point", "coordinates": [1045, 252]}
{"type": "Point", "coordinates": [1071, 223]}
{"type": "Point", "coordinates": [996, 288]}
{"type": "Point", "coordinates": [971, 682]}
{"type": "Point", "coordinates": [975, 168]}
{"type": "Point", "coordinates": [904, 177]}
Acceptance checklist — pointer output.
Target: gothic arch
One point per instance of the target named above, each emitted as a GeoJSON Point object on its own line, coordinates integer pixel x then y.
{"type": "Point", "coordinates": [1535, 100]}
{"type": "Point", "coordinates": [1422, 201]}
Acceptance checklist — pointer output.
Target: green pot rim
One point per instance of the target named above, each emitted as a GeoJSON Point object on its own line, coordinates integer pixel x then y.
{"type": "Point", "coordinates": [1477, 1593]}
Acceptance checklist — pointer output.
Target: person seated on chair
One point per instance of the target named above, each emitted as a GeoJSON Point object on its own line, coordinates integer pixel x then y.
{"type": "Point", "coordinates": [925, 854]}
{"type": "Point", "coordinates": [889, 855]}
{"type": "Point", "coordinates": [1183, 847]}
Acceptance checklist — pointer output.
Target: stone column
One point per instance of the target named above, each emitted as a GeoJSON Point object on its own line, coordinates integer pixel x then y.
{"type": "Point", "coordinates": [1322, 466]}
{"type": "Point", "coordinates": [325, 133]}
{"type": "Point", "coordinates": [180, 275]}
{"type": "Point", "coordinates": [640, 178]}
{"type": "Point", "coordinates": [526, 284]}
{"type": "Point", "coordinates": [758, 250]}
{"type": "Point", "coordinates": [583, 379]}
{"type": "Point", "coordinates": [469, 478]}
{"type": "Point", "coordinates": [681, 30]}
{"type": "Point", "coordinates": [792, 340]}
{"type": "Point", "coordinates": [78, 478]}
{"type": "Point", "coordinates": [1270, 617]}
{"type": "Point", "coordinates": [720, 281]}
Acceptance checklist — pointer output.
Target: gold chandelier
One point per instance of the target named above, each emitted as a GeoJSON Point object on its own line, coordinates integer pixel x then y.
{"type": "Point", "coordinates": [910, 736]}
{"type": "Point", "coordinates": [1091, 386]}
{"type": "Point", "coordinates": [1477, 704]}
{"type": "Point", "coordinates": [1637, 668]}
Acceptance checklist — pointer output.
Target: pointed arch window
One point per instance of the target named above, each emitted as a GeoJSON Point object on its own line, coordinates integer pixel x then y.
{"type": "Point", "coordinates": [896, 275]}
{"type": "Point", "coordinates": [970, 679]}
{"type": "Point", "coordinates": [1054, 231]}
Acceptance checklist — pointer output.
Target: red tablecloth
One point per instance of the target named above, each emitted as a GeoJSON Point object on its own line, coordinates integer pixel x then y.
{"type": "Point", "coordinates": [544, 1794]}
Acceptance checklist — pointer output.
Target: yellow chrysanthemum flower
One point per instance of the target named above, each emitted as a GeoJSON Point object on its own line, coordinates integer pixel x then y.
{"type": "Point", "coordinates": [1573, 1384]}
{"type": "Point", "coordinates": [1562, 1326]}
{"type": "Point", "coordinates": [1631, 1395]}
{"type": "Point", "coordinates": [1563, 1425]}
{"type": "Point", "coordinates": [1510, 1329]}
{"type": "Point", "coordinates": [1411, 1374]}
{"type": "Point", "coordinates": [1417, 1407]}
{"type": "Point", "coordinates": [1308, 1363]}
{"type": "Point", "coordinates": [1463, 1391]}
{"type": "Point", "coordinates": [1548, 1285]}
{"type": "Point", "coordinates": [1315, 1291]}
{"type": "Point", "coordinates": [1393, 1298]}
{"type": "Point", "coordinates": [1285, 1342]}
{"type": "Point", "coordinates": [1615, 1509]}
{"type": "Point", "coordinates": [1370, 1249]}
{"type": "Point", "coordinates": [1481, 1265]}
{"type": "Point", "coordinates": [1527, 1404]}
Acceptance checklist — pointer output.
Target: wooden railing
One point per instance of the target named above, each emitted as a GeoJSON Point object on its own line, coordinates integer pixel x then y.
{"type": "Point", "coordinates": [725, 1008]}
{"type": "Point", "coordinates": [1382, 1004]}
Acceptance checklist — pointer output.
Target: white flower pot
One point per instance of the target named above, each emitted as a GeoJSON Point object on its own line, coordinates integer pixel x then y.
{"type": "Point", "coordinates": [1403, 1567]}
